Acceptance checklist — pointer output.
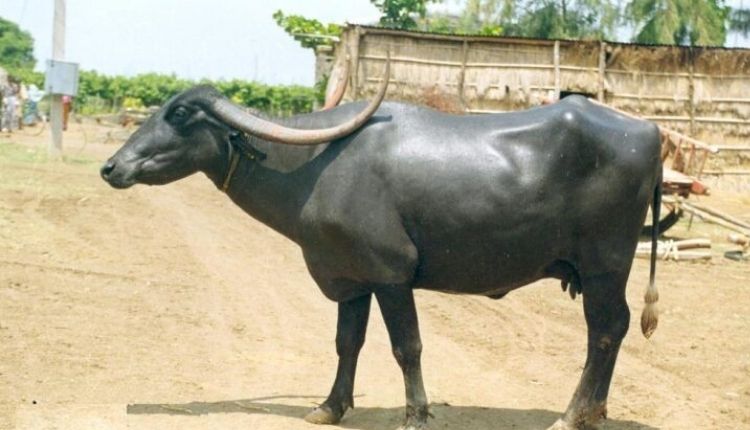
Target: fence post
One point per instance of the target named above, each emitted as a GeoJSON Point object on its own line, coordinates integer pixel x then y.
{"type": "Point", "coordinates": [355, 62]}
{"type": "Point", "coordinates": [691, 89]}
{"type": "Point", "coordinates": [556, 55]}
{"type": "Point", "coordinates": [602, 70]}
{"type": "Point", "coordinates": [462, 77]}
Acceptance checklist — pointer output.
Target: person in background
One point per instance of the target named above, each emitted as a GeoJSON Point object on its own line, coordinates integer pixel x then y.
{"type": "Point", "coordinates": [67, 106]}
{"type": "Point", "coordinates": [2, 105]}
{"type": "Point", "coordinates": [21, 99]}
{"type": "Point", "coordinates": [31, 115]}
{"type": "Point", "coordinates": [9, 122]}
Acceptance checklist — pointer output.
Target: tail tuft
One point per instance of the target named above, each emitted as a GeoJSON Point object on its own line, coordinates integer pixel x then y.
{"type": "Point", "coordinates": [650, 315]}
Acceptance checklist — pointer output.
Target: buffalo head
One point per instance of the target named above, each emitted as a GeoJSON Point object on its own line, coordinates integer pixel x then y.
{"type": "Point", "coordinates": [192, 129]}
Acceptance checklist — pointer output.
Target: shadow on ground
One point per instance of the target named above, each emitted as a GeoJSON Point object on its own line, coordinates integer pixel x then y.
{"type": "Point", "coordinates": [444, 415]}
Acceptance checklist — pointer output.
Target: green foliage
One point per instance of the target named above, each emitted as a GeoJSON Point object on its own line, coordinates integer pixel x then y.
{"type": "Point", "coordinates": [320, 89]}
{"type": "Point", "coordinates": [98, 93]}
{"type": "Point", "coordinates": [544, 19]}
{"type": "Point", "coordinates": [682, 22]}
{"type": "Point", "coordinates": [702, 22]}
{"type": "Point", "coordinates": [277, 100]}
{"type": "Point", "coordinates": [484, 17]}
{"type": "Point", "coordinates": [559, 19]}
{"type": "Point", "coordinates": [27, 76]}
{"type": "Point", "coordinates": [154, 89]}
{"type": "Point", "coordinates": [472, 20]}
{"type": "Point", "coordinates": [16, 47]}
{"type": "Point", "coordinates": [401, 13]}
{"type": "Point", "coordinates": [308, 32]}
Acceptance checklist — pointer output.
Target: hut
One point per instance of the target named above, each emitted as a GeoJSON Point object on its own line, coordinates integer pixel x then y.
{"type": "Point", "coordinates": [700, 91]}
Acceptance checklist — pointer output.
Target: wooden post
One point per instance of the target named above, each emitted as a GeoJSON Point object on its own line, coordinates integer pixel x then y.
{"type": "Point", "coordinates": [56, 104]}
{"type": "Point", "coordinates": [462, 76]}
{"type": "Point", "coordinates": [691, 90]}
{"type": "Point", "coordinates": [556, 59]}
{"type": "Point", "coordinates": [357, 36]}
{"type": "Point", "coordinates": [602, 69]}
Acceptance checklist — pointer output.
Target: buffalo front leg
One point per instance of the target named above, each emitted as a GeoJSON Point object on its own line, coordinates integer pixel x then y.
{"type": "Point", "coordinates": [400, 316]}
{"type": "Point", "coordinates": [350, 336]}
{"type": "Point", "coordinates": [607, 318]}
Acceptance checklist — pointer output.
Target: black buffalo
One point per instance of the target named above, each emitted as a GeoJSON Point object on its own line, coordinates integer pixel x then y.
{"type": "Point", "coordinates": [391, 197]}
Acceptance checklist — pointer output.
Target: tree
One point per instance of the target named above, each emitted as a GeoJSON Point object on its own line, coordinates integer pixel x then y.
{"type": "Point", "coordinates": [702, 22]}
{"type": "Point", "coordinates": [401, 13]}
{"type": "Point", "coordinates": [486, 17]}
{"type": "Point", "coordinates": [739, 21]}
{"type": "Point", "coordinates": [681, 22]}
{"type": "Point", "coordinates": [544, 19]}
{"type": "Point", "coordinates": [560, 19]}
{"type": "Point", "coordinates": [308, 32]}
{"type": "Point", "coordinates": [16, 47]}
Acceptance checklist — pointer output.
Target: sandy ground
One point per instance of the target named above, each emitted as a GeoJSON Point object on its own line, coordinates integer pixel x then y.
{"type": "Point", "coordinates": [168, 308]}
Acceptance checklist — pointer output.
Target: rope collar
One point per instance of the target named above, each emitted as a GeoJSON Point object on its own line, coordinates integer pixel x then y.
{"type": "Point", "coordinates": [234, 160]}
{"type": "Point", "coordinates": [238, 146]}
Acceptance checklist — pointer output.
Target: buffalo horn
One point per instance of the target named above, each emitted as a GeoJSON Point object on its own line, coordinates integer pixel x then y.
{"type": "Point", "coordinates": [236, 117]}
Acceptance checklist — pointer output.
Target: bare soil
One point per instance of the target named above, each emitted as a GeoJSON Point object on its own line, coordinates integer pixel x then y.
{"type": "Point", "coordinates": [169, 308]}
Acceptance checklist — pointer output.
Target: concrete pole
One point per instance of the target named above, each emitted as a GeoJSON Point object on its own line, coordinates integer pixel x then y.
{"type": "Point", "coordinates": [56, 105]}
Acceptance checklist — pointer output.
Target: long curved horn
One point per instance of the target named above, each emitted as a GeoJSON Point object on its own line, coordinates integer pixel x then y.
{"type": "Point", "coordinates": [336, 85]}
{"type": "Point", "coordinates": [236, 117]}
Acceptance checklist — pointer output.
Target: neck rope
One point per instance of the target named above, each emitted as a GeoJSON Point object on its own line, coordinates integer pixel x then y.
{"type": "Point", "coordinates": [238, 146]}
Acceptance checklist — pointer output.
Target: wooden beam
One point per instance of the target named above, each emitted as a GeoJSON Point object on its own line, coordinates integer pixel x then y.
{"type": "Point", "coordinates": [715, 217]}
{"type": "Point", "coordinates": [556, 62]}
{"type": "Point", "coordinates": [691, 89]}
{"type": "Point", "coordinates": [675, 75]}
{"type": "Point", "coordinates": [462, 76]}
{"type": "Point", "coordinates": [459, 38]}
{"type": "Point", "coordinates": [727, 172]}
{"type": "Point", "coordinates": [357, 39]}
{"type": "Point", "coordinates": [671, 97]}
{"type": "Point", "coordinates": [602, 70]}
{"type": "Point", "coordinates": [725, 216]}
{"type": "Point", "coordinates": [665, 97]}
{"type": "Point", "coordinates": [672, 133]}
{"type": "Point", "coordinates": [431, 62]}
{"type": "Point", "coordinates": [699, 119]}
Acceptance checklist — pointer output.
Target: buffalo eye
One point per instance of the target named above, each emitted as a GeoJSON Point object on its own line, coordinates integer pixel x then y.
{"type": "Point", "coordinates": [180, 115]}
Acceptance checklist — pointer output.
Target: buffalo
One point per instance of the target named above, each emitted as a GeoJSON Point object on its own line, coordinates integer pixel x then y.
{"type": "Point", "coordinates": [385, 197]}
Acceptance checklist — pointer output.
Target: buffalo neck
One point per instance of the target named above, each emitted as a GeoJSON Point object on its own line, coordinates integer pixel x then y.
{"type": "Point", "coordinates": [272, 190]}
{"type": "Point", "coordinates": [275, 190]}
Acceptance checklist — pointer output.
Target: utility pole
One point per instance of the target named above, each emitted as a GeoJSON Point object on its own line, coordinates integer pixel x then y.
{"type": "Point", "coordinates": [56, 104]}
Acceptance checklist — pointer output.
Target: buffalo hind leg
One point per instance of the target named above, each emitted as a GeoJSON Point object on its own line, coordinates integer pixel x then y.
{"type": "Point", "coordinates": [350, 336]}
{"type": "Point", "coordinates": [400, 316]}
{"type": "Point", "coordinates": [607, 318]}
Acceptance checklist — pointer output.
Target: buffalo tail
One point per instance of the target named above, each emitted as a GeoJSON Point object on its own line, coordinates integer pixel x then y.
{"type": "Point", "coordinates": [650, 315]}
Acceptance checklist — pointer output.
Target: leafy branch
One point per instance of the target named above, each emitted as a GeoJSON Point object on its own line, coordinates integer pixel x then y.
{"type": "Point", "coordinates": [310, 33]}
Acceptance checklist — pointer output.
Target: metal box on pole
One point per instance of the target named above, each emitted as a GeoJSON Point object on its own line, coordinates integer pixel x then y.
{"type": "Point", "coordinates": [61, 78]}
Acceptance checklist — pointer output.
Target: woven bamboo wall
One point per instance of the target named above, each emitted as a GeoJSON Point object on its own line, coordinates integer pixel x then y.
{"type": "Point", "coordinates": [704, 92]}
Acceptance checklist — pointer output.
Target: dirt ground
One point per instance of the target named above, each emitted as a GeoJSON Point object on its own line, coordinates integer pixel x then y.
{"type": "Point", "coordinates": [168, 308]}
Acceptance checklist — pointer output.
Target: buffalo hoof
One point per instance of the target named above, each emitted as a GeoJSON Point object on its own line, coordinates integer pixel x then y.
{"type": "Point", "coordinates": [418, 426]}
{"type": "Point", "coordinates": [416, 418]}
{"type": "Point", "coordinates": [563, 425]}
{"type": "Point", "coordinates": [322, 415]}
